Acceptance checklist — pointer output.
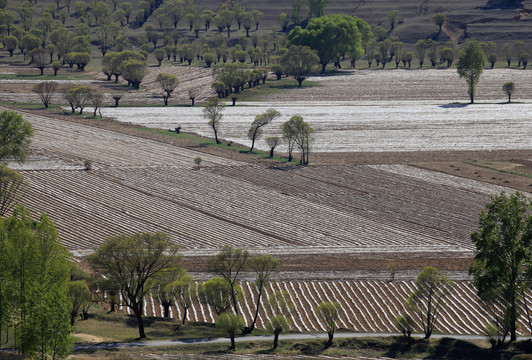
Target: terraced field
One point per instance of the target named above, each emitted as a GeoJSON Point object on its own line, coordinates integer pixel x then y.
{"type": "Point", "coordinates": [366, 306]}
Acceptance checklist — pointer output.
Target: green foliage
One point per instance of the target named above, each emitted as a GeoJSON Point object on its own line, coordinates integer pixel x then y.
{"type": "Point", "coordinates": [439, 19]}
{"type": "Point", "coordinates": [261, 120]}
{"type": "Point", "coordinates": [168, 83]}
{"type": "Point", "coordinates": [131, 261]}
{"type": "Point", "coordinates": [277, 325]}
{"type": "Point", "coordinates": [15, 136]}
{"type": "Point", "coordinates": [213, 112]}
{"type": "Point", "coordinates": [264, 266]}
{"type": "Point", "coordinates": [218, 294]}
{"type": "Point", "coordinates": [508, 88]}
{"type": "Point", "coordinates": [297, 132]}
{"type": "Point", "coordinates": [330, 36]}
{"type": "Point", "coordinates": [81, 59]}
{"type": "Point", "coordinates": [502, 256]}
{"type": "Point", "coordinates": [428, 300]}
{"type": "Point", "coordinates": [405, 324]}
{"type": "Point", "coordinates": [230, 324]}
{"type": "Point", "coordinates": [229, 264]}
{"type": "Point", "coordinates": [35, 272]}
{"type": "Point", "coordinates": [300, 62]}
{"type": "Point", "coordinates": [79, 297]}
{"type": "Point", "coordinates": [12, 186]}
{"type": "Point", "coordinates": [329, 313]}
{"type": "Point", "coordinates": [470, 66]}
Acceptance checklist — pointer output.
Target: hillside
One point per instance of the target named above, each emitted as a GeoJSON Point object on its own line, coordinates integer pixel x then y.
{"type": "Point", "coordinates": [491, 20]}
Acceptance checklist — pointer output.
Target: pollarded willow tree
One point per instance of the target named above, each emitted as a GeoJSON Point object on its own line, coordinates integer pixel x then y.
{"type": "Point", "coordinates": [329, 313]}
{"type": "Point", "coordinates": [331, 36]}
{"type": "Point", "coordinates": [470, 66]}
{"type": "Point", "coordinates": [168, 84]}
{"type": "Point", "coordinates": [428, 300]}
{"type": "Point", "coordinates": [15, 136]}
{"type": "Point", "coordinates": [501, 269]}
{"type": "Point", "coordinates": [297, 132]}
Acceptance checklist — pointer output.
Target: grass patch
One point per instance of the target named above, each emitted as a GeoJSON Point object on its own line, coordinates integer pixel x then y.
{"type": "Point", "coordinates": [59, 76]}
{"type": "Point", "coordinates": [271, 87]}
{"type": "Point", "coordinates": [504, 167]}
{"type": "Point", "coordinates": [204, 142]}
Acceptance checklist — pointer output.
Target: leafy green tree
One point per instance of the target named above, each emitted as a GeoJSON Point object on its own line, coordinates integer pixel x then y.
{"type": "Point", "coordinates": [523, 59]}
{"type": "Point", "coordinates": [81, 59]}
{"type": "Point", "coordinates": [297, 132]}
{"type": "Point", "coordinates": [10, 43]}
{"type": "Point", "coordinates": [38, 270]}
{"type": "Point", "coordinates": [127, 8]}
{"type": "Point", "coordinates": [421, 48]}
{"type": "Point", "coordinates": [502, 253]}
{"type": "Point", "coordinates": [405, 324]}
{"type": "Point", "coordinates": [213, 112]}
{"type": "Point", "coordinates": [162, 290]}
{"type": "Point", "coordinates": [330, 36]}
{"type": "Point", "coordinates": [492, 59]}
{"type": "Point", "coordinates": [229, 264]}
{"type": "Point", "coordinates": [159, 56]}
{"type": "Point", "coordinates": [281, 305]}
{"type": "Point", "coordinates": [15, 136]}
{"type": "Point", "coordinates": [329, 313]}
{"type": "Point", "coordinates": [12, 188]}
{"type": "Point", "coordinates": [217, 293]}
{"type": "Point", "coordinates": [284, 20]}
{"type": "Point", "coordinates": [184, 291]}
{"type": "Point", "coordinates": [447, 54]}
{"type": "Point", "coordinates": [230, 324]}
{"type": "Point", "coordinates": [261, 120]}
{"type": "Point", "coordinates": [264, 267]}
{"type": "Point", "coordinates": [134, 71]}
{"type": "Point", "coordinates": [77, 96]}
{"type": "Point", "coordinates": [131, 261]}
{"type": "Point", "coordinates": [168, 84]}
{"type": "Point", "coordinates": [470, 66]}
{"type": "Point", "coordinates": [439, 19]}
{"type": "Point", "coordinates": [508, 88]}
{"type": "Point", "coordinates": [316, 8]}
{"type": "Point", "coordinates": [299, 62]}
{"type": "Point", "coordinates": [79, 296]}
{"type": "Point", "coordinates": [428, 300]}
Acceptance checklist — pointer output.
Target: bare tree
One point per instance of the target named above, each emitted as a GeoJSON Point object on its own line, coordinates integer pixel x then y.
{"type": "Point", "coordinates": [45, 90]}
{"type": "Point", "coordinates": [168, 83]}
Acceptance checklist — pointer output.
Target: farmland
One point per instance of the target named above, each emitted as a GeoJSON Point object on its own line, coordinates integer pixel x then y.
{"type": "Point", "coordinates": [334, 227]}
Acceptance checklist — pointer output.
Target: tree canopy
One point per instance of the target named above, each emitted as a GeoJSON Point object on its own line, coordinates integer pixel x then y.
{"type": "Point", "coordinates": [331, 36]}
{"type": "Point", "coordinates": [470, 66]}
{"type": "Point", "coordinates": [15, 136]}
{"type": "Point", "coordinates": [502, 255]}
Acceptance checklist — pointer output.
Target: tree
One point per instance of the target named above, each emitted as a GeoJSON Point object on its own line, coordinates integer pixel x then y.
{"type": "Point", "coordinates": [131, 261]}
{"type": "Point", "coordinates": [217, 293]}
{"type": "Point", "coordinates": [405, 324]}
{"type": "Point", "coordinates": [56, 66]}
{"type": "Point", "coordinates": [272, 142]}
{"type": "Point", "coordinates": [81, 59]}
{"type": "Point", "coordinates": [523, 59]}
{"type": "Point", "coordinates": [492, 59]}
{"type": "Point", "coordinates": [37, 266]}
{"type": "Point", "coordinates": [162, 289]}
{"type": "Point", "coordinates": [264, 266]}
{"type": "Point", "coordinates": [316, 8]}
{"type": "Point", "coordinates": [257, 17]}
{"type": "Point", "coordinates": [447, 54]}
{"type": "Point", "coordinates": [502, 253]}
{"type": "Point", "coordinates": [297, 132]}
{"type": "Point", "coordinates": [421, 49]}
{"type": "Point", "coordinates": [508, 52]}
{"type": "Point", "coordinates": [79, 296]}
{"type": "Point", "coordinates": [329, 313]}
{"type": "Point", "coordinates": [134, 71]}
{"type": "Point", "coordinates": [470, 66]}
{"type": "Point", "coordinates": [39, 58]}
{"type": "Point", "coordinates": [45, 90]}
{"type": "Point", "coordinates": [439, 19]}
{"type": "Point", "coordinates": [184, 291]}
{"type": "Point", "coordinates": [230, 324]}
{"type": "Point", "coordinates": [10, 43]}
{"type": "Point", "coordinates": [15, 136]}
{"type": "Point", "coordinates": [284, 20]}
{"type": "Point", "coordinates": [76, 96]}
{"type": "Point", "coordinates": [508, 88]}
{"type": "Point", "coordinates": [428, 300]}
{"type": "Point", "coordinates": [330, 36]}
{"type": "Point", "coordinates": [96, 99]}
{"type": "Point", "coordinates": [229, 264]}
{"type": "Point", "coordinates": [392, 19]}
{"type": "Point", "coordinates": [299, 62]}
{"type": "Point", "coordinates": [168, 83]}
{"type": "Point", "coordinates": [281, 305]}
{"type": "Point", "coordinates": [261, 120]}
{"type": "Point", "coordinates": [213, 112]}
{"type": "Point", "coordinates": [12, 186]}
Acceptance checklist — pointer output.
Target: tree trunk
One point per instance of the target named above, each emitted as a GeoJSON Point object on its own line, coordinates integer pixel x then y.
{"type": "Point", "coordinates": [233, 346]}
{"type": "Point", "coordinates": [166, 308]}
{"type": "Point", "coordinates": [276, 341]}
{"type": "Point", "coordinates": [165, 98]}
{"type": "Point", "coordinates": [271, 152]}
{"type": "Point", "coordinates": [184, 314]}
{"type": "Point", "coordinates": [330, 341]}
{"type": "Point", "coordinates": [140, 321]}
{"type": "Point", "coordinates": [299, 81]}
{"type": "Point", "coordinates": [112, 306]}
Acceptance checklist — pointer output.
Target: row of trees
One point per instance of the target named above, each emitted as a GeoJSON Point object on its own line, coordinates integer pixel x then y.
{"type": "Point", "coordinates": [296, 132]}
